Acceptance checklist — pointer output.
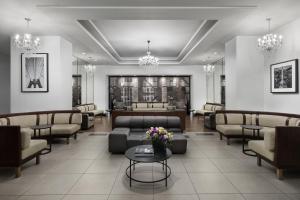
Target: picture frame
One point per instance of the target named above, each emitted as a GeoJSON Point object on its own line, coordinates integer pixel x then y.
{"type": "Point", "coordinates": [284, 77]}
{"type": "Point", "coordinates": [34, 72]}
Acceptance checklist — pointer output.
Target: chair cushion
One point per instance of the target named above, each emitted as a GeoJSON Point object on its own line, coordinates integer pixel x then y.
{"type": "Point", "coordinates": [258, 146]}
{"type": "Point", "coordinates": [34, 147]}
{"type": "Point", "coordinates": [269, 138]}
{"type": "Point", "coordinates": [68, 129]}
{"type": "Point", "coordinates": [61, 118]}
{"type": "Point", "coordinates": [23, 120]}
{"type": "Point", "coordinates": [26, 137]}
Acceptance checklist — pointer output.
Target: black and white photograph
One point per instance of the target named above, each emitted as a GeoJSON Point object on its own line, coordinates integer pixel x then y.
{"type": "Point", "coordinates": [284, 77]}
{"type": "Point", "coordinates": [34, 73]}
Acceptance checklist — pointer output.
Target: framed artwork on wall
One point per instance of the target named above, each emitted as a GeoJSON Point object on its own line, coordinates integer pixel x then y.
{"type": "Point", "coordinates": [284, 77]}
{"type": "Point", "coordinates": [34, 72]}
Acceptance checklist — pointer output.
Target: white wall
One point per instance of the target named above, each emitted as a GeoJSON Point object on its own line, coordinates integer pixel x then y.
{"type": "Point", "coordinates": [198, 87]}
{"type": "Point", "coordinates": [60, 78]}
{"type": "Point", "coordinates": [4, 84]}
{"type": "Point", "coordinates": [290, 50]}
{"type": "Point", "coordinates": [244, 73]}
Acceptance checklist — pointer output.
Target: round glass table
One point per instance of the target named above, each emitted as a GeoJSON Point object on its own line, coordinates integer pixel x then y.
{"type": "Point", "coordinates": [135, 159]}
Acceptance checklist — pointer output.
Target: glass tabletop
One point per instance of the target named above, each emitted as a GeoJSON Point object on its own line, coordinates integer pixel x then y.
{"type": "Point", "coordinates": [130, 154]}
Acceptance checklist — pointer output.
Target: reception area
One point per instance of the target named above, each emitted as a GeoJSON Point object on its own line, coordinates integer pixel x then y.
{"type": "Point", "coordinates": [118, 100]}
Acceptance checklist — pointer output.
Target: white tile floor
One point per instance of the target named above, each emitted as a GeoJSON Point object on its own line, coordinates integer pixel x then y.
{"type": "Point", "coordinates": [210, 170]}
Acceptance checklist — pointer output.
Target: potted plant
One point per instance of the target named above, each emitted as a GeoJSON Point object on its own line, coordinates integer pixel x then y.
{"type": "Point", "coordinates": [160, 138]}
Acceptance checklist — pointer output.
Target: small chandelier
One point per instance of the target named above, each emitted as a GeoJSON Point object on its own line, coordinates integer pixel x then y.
{"type": "Point", "coordinates": [270, 41]}
{"type": "Point", "coordinates": [27, 42]}
{"type": "Point", "coordinates": [90, 68]}
{"type": "Point", "coordinates": [209, 69]}
{"type": "Point", "coordinates": [148, 60]}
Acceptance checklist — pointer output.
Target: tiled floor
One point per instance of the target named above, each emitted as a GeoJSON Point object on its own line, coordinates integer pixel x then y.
{"type": "Point", "coordinates": [210, 170]}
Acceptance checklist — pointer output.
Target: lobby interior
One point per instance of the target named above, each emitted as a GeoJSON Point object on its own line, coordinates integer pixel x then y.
{"type": "Point", "coordinates": [83, 82]}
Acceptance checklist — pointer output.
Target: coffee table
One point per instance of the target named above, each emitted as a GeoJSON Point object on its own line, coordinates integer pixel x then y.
{"type": "Point", "coordinates": [156, 158]}
{"type": "Point", "coordinates": [255, 135]}
{"type": "Point", "coordinates": [39, 136]}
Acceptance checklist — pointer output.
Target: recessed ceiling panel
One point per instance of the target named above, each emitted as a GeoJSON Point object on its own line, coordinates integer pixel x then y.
{"type": "Point", "coordinates": [129, 37]}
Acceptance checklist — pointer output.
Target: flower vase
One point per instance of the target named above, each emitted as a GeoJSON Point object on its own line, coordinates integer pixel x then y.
{"type": "Point", "coordinates": [158, 147]}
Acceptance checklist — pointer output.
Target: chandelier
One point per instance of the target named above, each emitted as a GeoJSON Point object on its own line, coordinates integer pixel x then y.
{"type": "Point", "coordinates": [27, 42]}
{"type": "Point", "coordinates": [90, 68]}
{"type": "Point", "coordinates": [148, 60]}
{"type": "Point", "coordinates": [209, 68]}
{"type": "Point", "coordinates": [270, 41]}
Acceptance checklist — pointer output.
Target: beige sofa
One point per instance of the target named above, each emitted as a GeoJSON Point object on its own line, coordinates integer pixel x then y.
{"type": "Point", "coordinates": [90, 109]}
{"type": "Point", "coordinates": [65, 123]}
{"type": "Point", "coordinates": [209, 108]}
{"type": "Point", "coordinates": [280, 135]}
{"type": "Point", "coordinates": [149, 106]}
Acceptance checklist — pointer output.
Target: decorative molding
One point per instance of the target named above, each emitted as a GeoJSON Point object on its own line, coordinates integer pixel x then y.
{"type": "Point", "coordinates": [95, 34]}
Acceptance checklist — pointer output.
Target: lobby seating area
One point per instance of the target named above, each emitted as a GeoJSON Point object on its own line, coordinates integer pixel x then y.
{"type": "Point", "coordinates": [149, 100]}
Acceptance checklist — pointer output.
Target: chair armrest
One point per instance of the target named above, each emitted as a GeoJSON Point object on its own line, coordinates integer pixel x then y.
{"type": "Point", "coordinates": [287, 147]}
{"type": "Point", "coordinates": [10, 146]}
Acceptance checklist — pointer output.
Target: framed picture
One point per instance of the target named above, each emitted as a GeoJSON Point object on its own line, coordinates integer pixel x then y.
{"type": "Point", "coordinates": [284, 77]}
{"type": "Point", "coordinates": [34, 72]}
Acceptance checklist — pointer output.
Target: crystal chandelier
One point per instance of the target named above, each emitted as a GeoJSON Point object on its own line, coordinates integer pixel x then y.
{"type": "Point", "coordinates": [90, 68]}
{"type": "Point", "coordinates": [270, 41]}
{"type": "Point", "coordinates": [209, 68]}
{"type": "Point", "coordinates": [148, 60]}
{"type": "Point", "coordinates": [27, 42]}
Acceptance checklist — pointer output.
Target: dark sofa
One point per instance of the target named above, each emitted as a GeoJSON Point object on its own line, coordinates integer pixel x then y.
{"type": "Point", "coordinates": [130, 131]}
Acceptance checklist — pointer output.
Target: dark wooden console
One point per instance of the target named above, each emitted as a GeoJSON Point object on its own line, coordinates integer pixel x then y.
{"type": "Point", "coordinates": [179, 113]}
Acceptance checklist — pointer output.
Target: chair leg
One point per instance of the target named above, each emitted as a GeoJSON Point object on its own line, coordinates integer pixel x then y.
{"type": "Point", "coordinates": [221, 136]}
{"type": "Point", "coordinates": [38, 159]}
{"type": "Point", "coordinates": [279, 173]}
{"type": "Point", "coordinates": [18, 171]}
{"type": "Point", "coordinates": [258, 160]}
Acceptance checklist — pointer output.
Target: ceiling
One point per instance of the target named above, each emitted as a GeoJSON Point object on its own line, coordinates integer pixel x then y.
{"type": "Point", "coordinates": [114, 32]}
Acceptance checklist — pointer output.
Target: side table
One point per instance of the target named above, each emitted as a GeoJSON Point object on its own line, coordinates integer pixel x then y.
{"type": "Point", "coordinates": [255, 135]}
{"type": "Point", "coordinates": [39, 136]}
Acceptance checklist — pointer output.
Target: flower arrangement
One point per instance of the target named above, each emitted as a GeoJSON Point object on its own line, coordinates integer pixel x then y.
{"type": "Point", "coordinates": [159, 137]}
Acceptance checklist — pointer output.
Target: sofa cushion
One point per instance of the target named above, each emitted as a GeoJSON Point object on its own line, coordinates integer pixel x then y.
{"type": "Point", "coordinates": [155, 121]}
{"type": "Point", "coordinates": [3, 122]}
{"type": "Point", "coordinates": [142, 105]}
{"type": "Point", "coordinates": [43, 119]}
{"type": "Point", "coordinates": [122, 121]}
{"type": "Point", "coordinates": [34, 147]}
{"type": "Point", "coordinates": [61, 118]}
{"type": "Point", "coordinates": [208, 107]}
{"type": "Point", "coordinates": [272, 120]}
{"type": "Point", "coordinates": [23, 120]}
{"type": "Point", "coordinates": [25, 137]}
{"type": "Point", "coordinates": [258, 146]}
{"type": "Point", "coordinates": [76, 118]}
{"type": "Point", "coordinates": [68, 129]}
{"type": "Point", "coordinates": [125, 131]}
{"type": "Point", "coordinates": [136, 122]}
{"type": "Point", "coordinates": [157, 105]}
{"type": "Point", "coordinates": [269, 138]}
{"type": "Point", "coordinates": [232, 130]}
{"type": "Point", "coordinates": [234, 118]}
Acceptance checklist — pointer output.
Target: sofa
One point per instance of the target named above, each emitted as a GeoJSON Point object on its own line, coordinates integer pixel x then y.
{"type": "Point", "coordinates": [90, 109]}
{"type": "Point", "coordinates": [65, 123]}
{"type": "Point", "coordinates": [280, 135]}
{"type": "Point", "coordinates": [17, 147]}
{"type": "Point", "coordinates": [209, 108]}
{"type": "Point", "coordinates": [130, 131]}
{"type": "Point", "coordinates": [149, 106]}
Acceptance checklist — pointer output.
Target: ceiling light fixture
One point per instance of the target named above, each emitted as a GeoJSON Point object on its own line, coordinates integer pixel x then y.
{"type": "Point", "coordinates": [27, 42]}
{"type": "Point", "coordinates": [90, 68]}
{"type": "Point", "coordinates": [209, 69]}
{"type": "Point", "coordinates": [148, 60]}
{"type": "Point", "coordinates": [270, 41]}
